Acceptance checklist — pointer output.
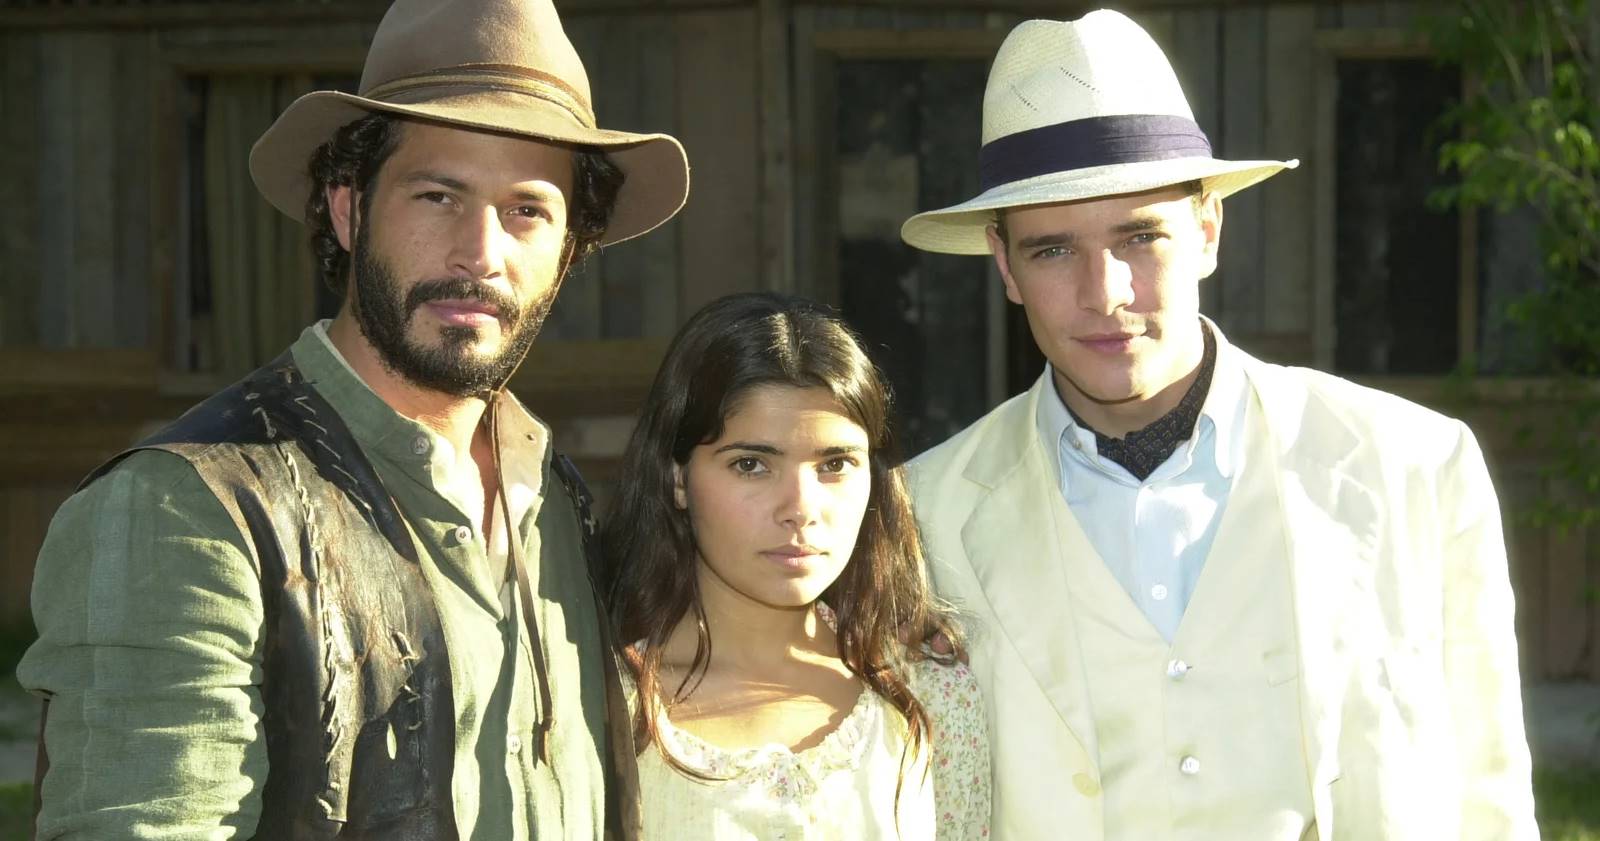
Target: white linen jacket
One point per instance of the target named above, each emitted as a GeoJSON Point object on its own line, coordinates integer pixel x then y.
{"type": "Point", "coordinates": [1410, 697]}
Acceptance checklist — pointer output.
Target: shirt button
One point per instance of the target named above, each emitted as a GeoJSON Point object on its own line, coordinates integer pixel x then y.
{"type": "Point", "coordinates": [463, 535]}
{"type": "Point", "coordinates": [1159, 592]}
{"type": "Point", "coordinates": [1076, 444]}
{"type": "Point", "coordinates": [1176, 669]}
{"type": "Point", "coordinates": [1189, 766]}
{"type": "Point", "coordinates": [514, 744]}
{"type": "Point", "coordinates": [420, 445]}
{"type": "Point", "coordinates": [1085, 784]}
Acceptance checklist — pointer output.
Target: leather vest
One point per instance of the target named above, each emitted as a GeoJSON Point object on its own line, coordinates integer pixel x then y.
{"type": "Point", "coordinates": [356, 688]}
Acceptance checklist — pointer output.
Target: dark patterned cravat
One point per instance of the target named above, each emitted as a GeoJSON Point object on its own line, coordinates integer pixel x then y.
{"type": "Point", "coordinates": [1143, 450]}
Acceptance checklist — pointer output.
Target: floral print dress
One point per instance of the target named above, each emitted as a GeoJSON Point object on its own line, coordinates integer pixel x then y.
{"type": "Point", "coordinates": [842, 788]}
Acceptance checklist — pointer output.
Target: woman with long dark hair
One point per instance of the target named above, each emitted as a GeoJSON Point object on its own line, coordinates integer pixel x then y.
{"type": "Point", "coordinates": [761, 553]}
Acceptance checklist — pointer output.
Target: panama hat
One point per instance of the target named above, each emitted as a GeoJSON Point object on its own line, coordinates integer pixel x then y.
{"type": "Point", "coordinates": [1080, 110]}
{"type": "Point", "coordinates": [503, 66]}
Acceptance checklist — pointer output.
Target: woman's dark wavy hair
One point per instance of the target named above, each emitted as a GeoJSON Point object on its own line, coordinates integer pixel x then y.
{"type": "Point", "coordinates": [731, 346]}
{"type": "Point", "coordinates": [359, 150]}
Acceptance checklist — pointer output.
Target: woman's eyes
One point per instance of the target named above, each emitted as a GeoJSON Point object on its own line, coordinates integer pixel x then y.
{"type": "Point", "coordinates": [839, 464]}
{"type": "Point", "coordinates": [751, 465]}
{"type": "Point", "coordinates": [747, 464]}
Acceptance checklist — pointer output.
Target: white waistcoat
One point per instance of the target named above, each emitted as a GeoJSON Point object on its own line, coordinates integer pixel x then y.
{"type": "Point", "coordinates": [1199, 739]}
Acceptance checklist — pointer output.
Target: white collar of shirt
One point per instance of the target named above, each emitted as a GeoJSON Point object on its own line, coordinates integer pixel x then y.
{"type": "Point", "coordinates": [1221, 417]}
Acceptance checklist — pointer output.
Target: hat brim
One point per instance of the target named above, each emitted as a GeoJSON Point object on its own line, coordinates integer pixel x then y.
{"type": "Point", "coordinates": [654, 166]}
{"type": "Point", "coordinates": [959, 229]}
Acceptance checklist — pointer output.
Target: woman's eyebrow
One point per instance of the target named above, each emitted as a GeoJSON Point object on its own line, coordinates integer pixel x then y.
{"type": "Point", "coordinates": [767, 449]}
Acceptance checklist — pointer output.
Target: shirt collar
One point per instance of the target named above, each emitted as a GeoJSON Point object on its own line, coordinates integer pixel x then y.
{"type": "Point", "coordinates": [389, 435]}
{"type": "Point", "coordinates": [1221, 414]}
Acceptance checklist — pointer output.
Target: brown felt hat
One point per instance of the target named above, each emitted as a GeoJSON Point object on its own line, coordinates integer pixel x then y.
{"type": "Point", "coordinates": [493, 65]}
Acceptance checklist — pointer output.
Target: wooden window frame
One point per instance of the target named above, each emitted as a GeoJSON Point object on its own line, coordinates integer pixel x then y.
{"type": "Point", "coordinates": [1333, 46]}
{"type": "Point", "coordinates": [817, 56]}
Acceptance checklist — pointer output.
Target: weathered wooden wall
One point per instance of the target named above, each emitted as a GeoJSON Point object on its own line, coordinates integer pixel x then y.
{"type": "Point", "coordinates": [89, 182]}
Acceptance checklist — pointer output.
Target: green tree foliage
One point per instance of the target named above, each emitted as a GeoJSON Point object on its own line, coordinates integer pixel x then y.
{"type": "Point", "coordinates": [1525, 136]}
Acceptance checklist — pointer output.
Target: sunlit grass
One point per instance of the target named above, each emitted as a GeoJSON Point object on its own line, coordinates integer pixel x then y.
{"type": "Point", "coordinates": [1568, 804]}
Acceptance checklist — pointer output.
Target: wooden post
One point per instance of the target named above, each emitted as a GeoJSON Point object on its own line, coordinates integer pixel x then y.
{"type": "Point", "coordinates": [777, 147]}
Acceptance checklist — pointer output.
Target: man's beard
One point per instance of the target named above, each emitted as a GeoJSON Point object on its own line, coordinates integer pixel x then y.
{"type": "Point", "coordinates": [383, 313]}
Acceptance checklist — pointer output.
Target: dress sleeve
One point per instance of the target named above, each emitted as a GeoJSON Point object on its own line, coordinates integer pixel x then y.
{"type": "Point", "coordinates": [149, 614]}
{"type": "Point", "coordinates": [960, 760]}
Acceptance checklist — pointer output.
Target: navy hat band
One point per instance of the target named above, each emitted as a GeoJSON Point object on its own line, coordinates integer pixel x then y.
{"type": "Point", "coordinates": [1090, 142]}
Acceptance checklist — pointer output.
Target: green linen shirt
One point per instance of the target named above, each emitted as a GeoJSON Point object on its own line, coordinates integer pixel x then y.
{"type": "Point", "coordinates": [150, 619]}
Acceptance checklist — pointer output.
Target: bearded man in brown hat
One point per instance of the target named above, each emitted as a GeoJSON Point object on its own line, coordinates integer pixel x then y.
{"type": "Point", "coordinates": [348, 596]}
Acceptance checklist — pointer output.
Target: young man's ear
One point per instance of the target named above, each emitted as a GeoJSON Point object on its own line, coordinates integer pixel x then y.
{"type": "Point", "coordinates": [343, 204]}
{"type": "Point", "coordinates": [1002, 261]}
{"type": "Point", "coordinates": [1210, 215]}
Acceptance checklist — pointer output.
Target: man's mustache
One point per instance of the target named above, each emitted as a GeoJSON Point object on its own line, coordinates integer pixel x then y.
{"type": "Point", "coordinates": [463, 289]}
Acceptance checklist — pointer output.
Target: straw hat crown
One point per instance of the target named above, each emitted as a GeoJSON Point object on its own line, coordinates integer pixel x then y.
{"type": "Point", "coordinates": [1080, 110]}
{"type": "Point", "coordinates": [504, 66]}
{"type": "Point", "coordinates": [1048, 72]}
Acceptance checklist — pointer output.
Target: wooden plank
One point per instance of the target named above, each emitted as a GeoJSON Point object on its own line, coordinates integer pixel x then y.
{"type": "Point", "coordinates": [20, 199]}
{"type": "Point", "coordinates": [1323, 167]}
{"type": "Point", "coordinates": [143, 15]}
{"type": "Point", "coordinates": [577, 312]}
{"type": "Point", "coordinates": [1242, 303]}
{"type": "Point", "coordinates": [1592, 593]}
{"type": "Point", "coordinates": [1287, 199]}
{"type": "Point", "coordinates": [197, 14]}
{"type": "Point", "coordinates": [32, 369]}
{"type": "Point", "coordinates": [807, 138]}
{"type": "Point", "coordinates": [868, 43]}
{"type": "Point", "coordinates": [1526, 553]}
{"type": "Point", "coordinates": [1569, 627]}
{"type": "Point", "coordinates": [168, 238]}
{"type": "Point", "coordinates": [132, 80]}
{"type": "Point", "coordinates": [93, 281]}
{"type": "Point", "coordinates": [718, 244]}
{"type": "Point", "coordinates": [1362, 14]}
{"type": "Point", "coordinates": [1401, 14]}
{"type": "Point", "coordinates": [579, 379]}
{"type": "Point", "coordinates": [56, 220]}
{"type": "Point", "coordinates": [653, 258]}
{"type": "Point", "coordinates": [1468, 297]}
{"type": "Point", "coordinates": [825, 284]}
{"type": "Point", "coordinates": [777, 142]}
{"type": "Point", "coordinates": [1377, 42]}
{"type": "Point", "coordinates": [1195, 54]}
{"type": "Point", "coordinates": [1159, 23]}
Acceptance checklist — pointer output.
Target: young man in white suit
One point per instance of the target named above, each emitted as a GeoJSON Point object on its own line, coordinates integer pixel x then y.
{"type": "Point", "coordinates": [1213, 598]}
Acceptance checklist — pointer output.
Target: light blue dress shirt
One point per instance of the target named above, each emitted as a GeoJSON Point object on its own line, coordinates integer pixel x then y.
{"type": "Point", "coordinates": [1153, 535]}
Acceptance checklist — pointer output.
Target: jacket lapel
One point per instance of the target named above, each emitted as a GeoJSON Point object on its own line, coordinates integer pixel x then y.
{"type": "Point", "coordinates": [1333, 522]}
{"type": "Point", "coordinates": [1014, 541]}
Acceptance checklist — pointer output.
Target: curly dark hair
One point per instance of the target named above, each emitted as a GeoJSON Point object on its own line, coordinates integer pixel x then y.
{"type": "Point", "coordinates": [359, 150]}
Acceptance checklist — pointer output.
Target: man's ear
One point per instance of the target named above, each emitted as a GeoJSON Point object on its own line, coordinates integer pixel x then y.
{"type": "Point", "coordinates": [680, 496]}
{"type": "Point", "coordinates": [1002, 261]}
{"type": "Point", "coordinates": [342, 205]}
{"type": "Point", "coordinates": [1210, 214]}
